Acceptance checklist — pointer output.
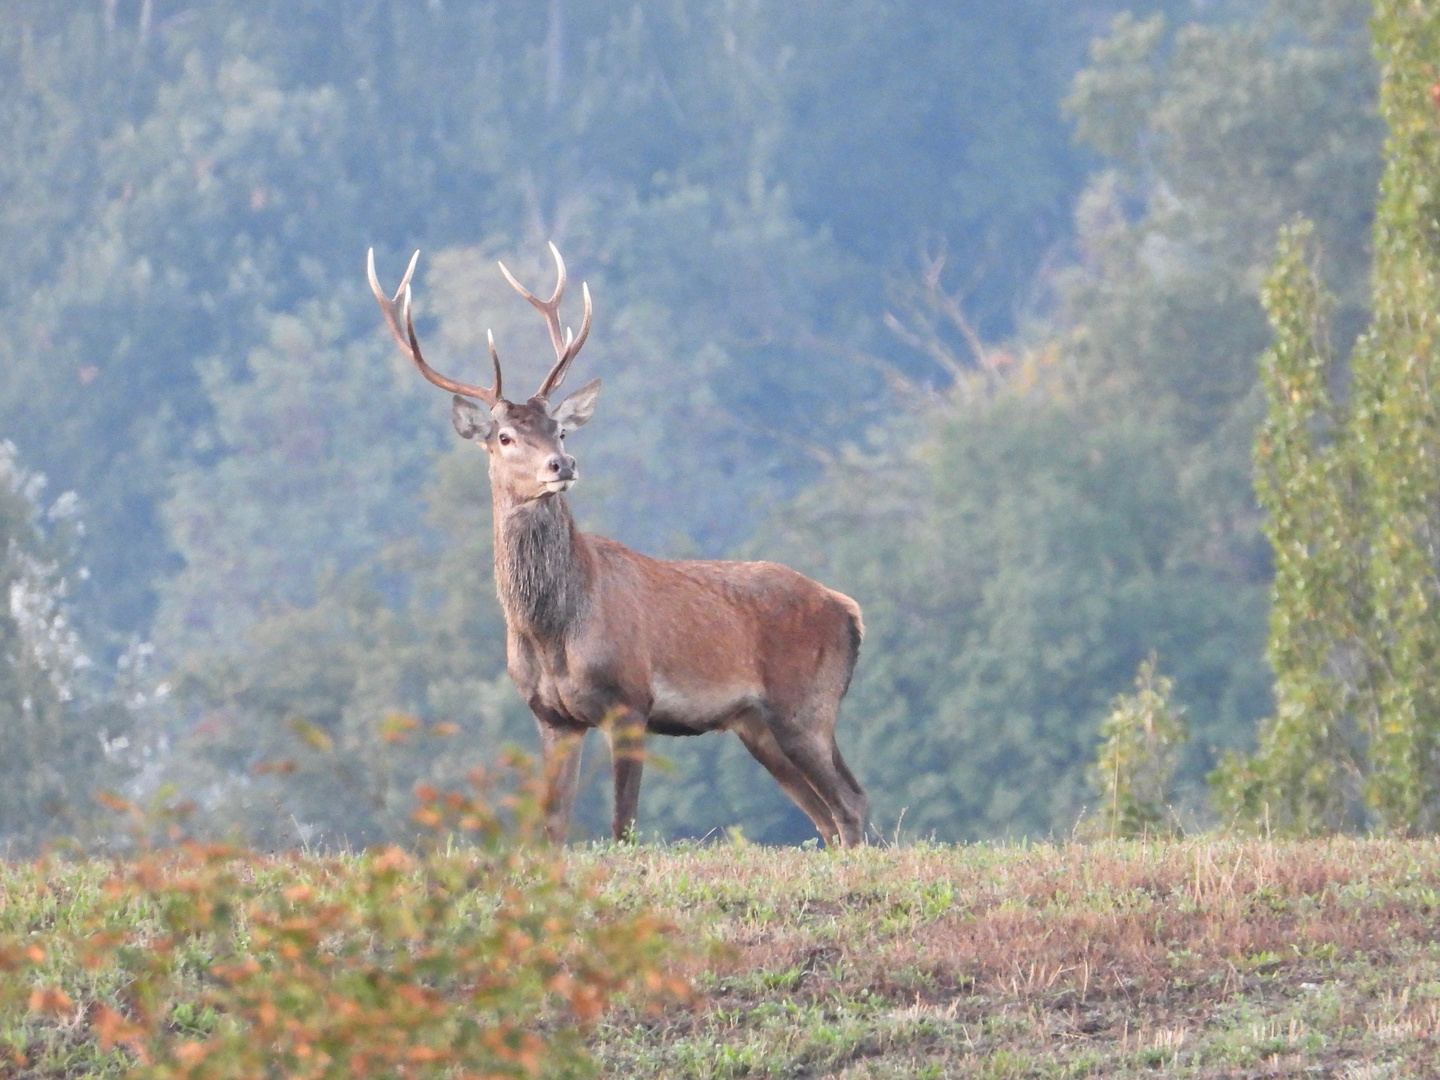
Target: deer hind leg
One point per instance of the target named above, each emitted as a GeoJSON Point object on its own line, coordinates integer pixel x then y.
{"type": "Point", "coordinates": [625, 730]}
{"type": "Point", "coordinates": [760, 741]}
{"type": "Point", "coordinates": [808, 740]}
{"type": "Point", "coordinates": [560, 747]}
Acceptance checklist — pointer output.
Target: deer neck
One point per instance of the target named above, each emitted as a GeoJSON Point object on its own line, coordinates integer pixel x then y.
{"type": "Point", "coordinates": [540, 566]}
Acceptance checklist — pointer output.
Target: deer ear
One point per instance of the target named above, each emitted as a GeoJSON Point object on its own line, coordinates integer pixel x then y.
{"type": "Point", "coordinates": [576, 409]}
{"type": "Point", "coordinates": [469, 421]}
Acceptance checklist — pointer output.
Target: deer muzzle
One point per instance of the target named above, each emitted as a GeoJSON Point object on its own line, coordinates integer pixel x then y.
{"type": "Point", "coordinates": [558, 473]}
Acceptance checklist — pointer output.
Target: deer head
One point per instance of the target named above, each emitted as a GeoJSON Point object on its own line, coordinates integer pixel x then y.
{"type": "Point", "coordinates": [525, 440]}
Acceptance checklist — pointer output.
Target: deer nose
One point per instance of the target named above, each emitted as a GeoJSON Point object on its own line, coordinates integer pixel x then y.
{"type": "Point", "coordinates": [560, 467]}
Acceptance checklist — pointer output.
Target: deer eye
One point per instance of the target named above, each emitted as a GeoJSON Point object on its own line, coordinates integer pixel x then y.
{"type": "Point", "coordinates": [505, 440]}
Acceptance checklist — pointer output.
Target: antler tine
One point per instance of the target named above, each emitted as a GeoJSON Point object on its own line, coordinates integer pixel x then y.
{"type": "Point", "coordinates": [397, 314]}
{"type": "Point", "coordinates": [566, 345]}
{"type": "Point", "coordinates": [549, 308]}
{"type": "Point", "coordinates": [573, 345]}
{"type": "Point", "coordinates": [392, 307]}
{"type": "Point", "coordinates": [495, 357]}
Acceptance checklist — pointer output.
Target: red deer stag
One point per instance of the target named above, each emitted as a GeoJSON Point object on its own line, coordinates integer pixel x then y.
{"type": "Point", "coordinates": [600, 636]}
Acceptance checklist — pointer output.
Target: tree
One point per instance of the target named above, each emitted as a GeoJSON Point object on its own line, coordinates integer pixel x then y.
{"type": "Point", "coordinates": [175, 178]}
{"type": "Point", "coordinates": [193, 192]}
{"type": "Point", "coordinates": [198, 216]}
{"type": "Point", "coordinates": [1355, 518]}
{"type": "Point", "coordinates": [314, 721]}
{"type": "Point", "coordinates": [1307, 774]}
{"type": "Point", "coordinates": [1076, 500]}
{"type": "Point", "coordinates": [320, 450]}
{"type": "Point", "coordinates": [1397, 418]}
{"type": "Point", "coordinates": [1132, 773]}
{"type": "Point", "coordinates": [1015, 564]}
{"type": "Point", "coordinates": [1218, 135]}
{"type": "Point", "coordinates": [61, 735]}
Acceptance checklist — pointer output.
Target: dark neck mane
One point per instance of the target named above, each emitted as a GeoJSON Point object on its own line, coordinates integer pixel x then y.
{"type": "Point", "coordinates": [538, 567]}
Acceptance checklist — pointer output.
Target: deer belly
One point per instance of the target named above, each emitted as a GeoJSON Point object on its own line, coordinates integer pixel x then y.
{"type": "Point", "coordinates": [694, 710]}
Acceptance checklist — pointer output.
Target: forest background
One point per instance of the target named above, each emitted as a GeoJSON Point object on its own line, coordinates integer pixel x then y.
{"type": "Point", "coordinates": [954, 307]}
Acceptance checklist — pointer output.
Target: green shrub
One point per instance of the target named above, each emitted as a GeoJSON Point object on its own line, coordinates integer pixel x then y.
{"type": "Point", "coordinates": [1137, 758]}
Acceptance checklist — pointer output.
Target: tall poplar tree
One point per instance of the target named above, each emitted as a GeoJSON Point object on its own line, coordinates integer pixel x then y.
{"type": "Point", "coordinates": [1397, 423]}
{"type": "Point", "coordinates": [1303, 777]}
{"type": "Point", "coordinates": [1353, 499]}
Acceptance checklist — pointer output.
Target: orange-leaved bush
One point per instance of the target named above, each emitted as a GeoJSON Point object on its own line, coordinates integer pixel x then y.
{"type": "Point", "coordinates": [486, 958]}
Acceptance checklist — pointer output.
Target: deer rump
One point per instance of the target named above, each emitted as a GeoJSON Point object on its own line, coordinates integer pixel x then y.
{"type": "Point", "coordinates": [599, 636]}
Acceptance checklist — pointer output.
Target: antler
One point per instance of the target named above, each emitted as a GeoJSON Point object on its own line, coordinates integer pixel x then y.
{"type": "Point", "coordinates": [397, 314]}
{"type": "Point", "coordinates": [566, 345]}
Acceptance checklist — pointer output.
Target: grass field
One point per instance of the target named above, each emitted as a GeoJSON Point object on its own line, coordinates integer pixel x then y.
{"type": "Point", "coordinates": [1195, 958]}
{"type": "Point", "coordinates": [1198, 958]}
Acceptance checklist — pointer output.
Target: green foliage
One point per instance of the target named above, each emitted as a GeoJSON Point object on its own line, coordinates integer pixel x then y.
{"type": "Point", "coordinates": [310, 447]}
{"type": "Point", "coordinates": [1303, 778]}
{"type": "Point", "coordinates": [303, 736]}
{"type": "Point", "coordinates": [294, 734]}
{"type": "Point", "coordinates": [61, 736]}
{"type": "Point", "coordinates": [189, 200]}
{"type": "Point", "coordinates": [199, 214]}
{"type": "Point", "coordinates": [174, 183]}
{"type": "Point", "coordinates": [1220, 134]}
{"type": "Point", "coordinates": [1020, 544]}
{"type": "Point", "coordinates": [1016, 563]}
{"type": "Point", "coordinates": [1113, 99]}
{"type": "Point", "coordinates": [1397, 427]}
{"type": "Point", "coordinates": [1132, 774]}
{"type": "Point", "coordinates": [1352, 496]}
{"type": "Point", "coordinates": [484, 956]}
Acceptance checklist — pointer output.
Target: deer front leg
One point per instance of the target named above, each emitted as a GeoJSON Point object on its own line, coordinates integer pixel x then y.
{"type": "Point", "coordinates": [560, 747]}
{"type": "Point", "coordinates": [625, 729]}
